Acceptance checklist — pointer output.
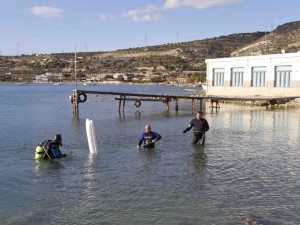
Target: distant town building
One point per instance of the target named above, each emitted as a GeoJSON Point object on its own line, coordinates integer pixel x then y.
{"type": "Point", "coordinates": [183, 79]}
{"type": "Point", "coordinates": [172, 80]}
{"type": "Point", "coordinates": [40, 79]}
{"type": "Point", "coordinates": [264, 75]}
{"type": "Point", "coordinates": [47, 77]}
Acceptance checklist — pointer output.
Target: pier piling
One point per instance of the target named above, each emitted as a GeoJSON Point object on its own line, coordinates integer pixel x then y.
{"type": "Point", "coordinates": [75, 101]}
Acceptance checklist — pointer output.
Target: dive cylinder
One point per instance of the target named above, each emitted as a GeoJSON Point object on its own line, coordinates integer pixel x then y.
{"type": "Point", "coordinates": [39, 152]}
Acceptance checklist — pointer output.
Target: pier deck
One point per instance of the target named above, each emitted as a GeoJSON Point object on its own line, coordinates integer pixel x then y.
{"type": "Point", "coordinates": [80, 96]}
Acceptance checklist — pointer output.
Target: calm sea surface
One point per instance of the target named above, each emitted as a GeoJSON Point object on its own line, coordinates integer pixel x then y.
{"type": "Point", "coordinates": [249, 169]}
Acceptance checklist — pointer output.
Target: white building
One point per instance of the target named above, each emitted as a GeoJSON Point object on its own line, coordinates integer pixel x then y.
{"type": "Point", "coordinates": [41, 79]}
{"type": "Point", "coordinates": [264, 75]}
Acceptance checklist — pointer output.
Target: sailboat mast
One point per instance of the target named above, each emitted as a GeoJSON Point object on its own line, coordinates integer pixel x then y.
{"type": "Point", "coordinates": [75, 70]}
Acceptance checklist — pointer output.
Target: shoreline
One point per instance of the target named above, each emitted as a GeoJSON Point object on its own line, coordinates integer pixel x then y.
{"type": "Point", "coordinates": [293, 104]}
{"type": "Point", "coordinates": [104, 82]}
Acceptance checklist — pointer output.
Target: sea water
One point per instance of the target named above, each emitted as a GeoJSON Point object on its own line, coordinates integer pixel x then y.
{"type": "Point", "coordinates": [248, 170]}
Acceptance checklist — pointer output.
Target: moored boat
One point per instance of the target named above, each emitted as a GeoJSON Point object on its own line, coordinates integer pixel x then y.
{"type": "Point", "coordinates": [58, 83]}
{"type": "Point", "coordinates": [89, 83]}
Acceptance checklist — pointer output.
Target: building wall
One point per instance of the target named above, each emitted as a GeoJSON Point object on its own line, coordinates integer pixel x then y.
{"type": "Point", "coordinates": [270, 62]}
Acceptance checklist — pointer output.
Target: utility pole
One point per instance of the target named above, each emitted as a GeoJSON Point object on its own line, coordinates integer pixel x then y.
{"type": "Point", "coordinates": [17, 48]}
{"type": "Point", "coordinates": [266, 39]}
{"type": "Point", "coordinates": [146, 40]}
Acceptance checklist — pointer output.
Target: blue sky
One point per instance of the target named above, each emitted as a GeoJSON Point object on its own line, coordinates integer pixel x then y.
{"type": "Point", "coordinates": [54, 26]}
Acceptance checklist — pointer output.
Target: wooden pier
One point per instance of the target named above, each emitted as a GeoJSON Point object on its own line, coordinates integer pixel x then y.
{"type": "Point", "coordinates": [80, 96]}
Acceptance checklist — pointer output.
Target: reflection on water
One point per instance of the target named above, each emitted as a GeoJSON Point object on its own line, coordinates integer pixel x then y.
{"type": "Point", "coordinates": [76, 120]}
{"type": "Point", "coordinates": [248, 170]}
{"type": "Point", "coordinates": [199, 156]}
{"type": "Point", "coordinates": [48, 167]}
{"type": "Point", "coordinates": [89, 172]}
{"type": "Point", "coordinates": [150, 156]}
{"type": "Point", "coordinates": [137, 115]}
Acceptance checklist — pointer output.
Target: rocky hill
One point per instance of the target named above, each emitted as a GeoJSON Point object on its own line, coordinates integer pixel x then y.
{"type": "Point", "coordinates": [284, 39]}
{"type": "Point", "coordinates": [155, 61]}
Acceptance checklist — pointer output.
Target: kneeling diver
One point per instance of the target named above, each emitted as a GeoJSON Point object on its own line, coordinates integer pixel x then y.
{"type": "Point", "coordinates": [49, 149]}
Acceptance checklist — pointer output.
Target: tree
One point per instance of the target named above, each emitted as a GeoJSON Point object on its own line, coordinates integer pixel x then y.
{"type": "Point", "coordinates": [120, 78]}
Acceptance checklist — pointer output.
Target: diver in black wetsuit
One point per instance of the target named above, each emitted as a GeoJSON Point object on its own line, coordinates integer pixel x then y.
{"type": "Point", "coordinates": [200, 126]}
{"type": "Point", "coordinates": [52, 149]}
{"type": "Point", "coordinates": [149, 138]}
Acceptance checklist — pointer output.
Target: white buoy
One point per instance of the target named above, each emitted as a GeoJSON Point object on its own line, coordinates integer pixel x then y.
{"type": "Point", "coordinates": [91, 136]}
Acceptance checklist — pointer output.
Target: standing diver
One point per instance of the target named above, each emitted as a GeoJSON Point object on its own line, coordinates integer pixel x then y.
{"type": "Point", "coordinates": [149, 138]}
{"type": "Point", "coordinates": [49, 149]}
{"type": "Point", "coordinates": [200, 126]}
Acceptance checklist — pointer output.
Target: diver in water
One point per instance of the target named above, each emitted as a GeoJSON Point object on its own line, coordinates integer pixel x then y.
{"type": "Point", "coordinates": [200, 126]}
{"type": "Point", "coordinates": [50, 148]}
{"type": "Point", "coordinates": [149, 138]}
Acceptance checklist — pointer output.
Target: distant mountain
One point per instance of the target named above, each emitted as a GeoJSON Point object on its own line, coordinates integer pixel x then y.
{"type": "Point", "coordinates": [284, 39]}
{"type": "Point", "coordinates": [160, 60]}
{"type": "Point", "coordinates": [173, 57]}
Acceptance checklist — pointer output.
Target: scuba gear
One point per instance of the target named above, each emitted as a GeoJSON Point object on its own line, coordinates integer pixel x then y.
{"type": "Point", "coordinates": [39, 152]}
{"type": "Point", "coordinates": [44, 148]}
{"type": "Point", "coordinates": [49, 149]}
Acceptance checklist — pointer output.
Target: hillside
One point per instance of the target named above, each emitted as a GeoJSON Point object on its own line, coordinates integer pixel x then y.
{"type": "Point", "coordinates": [286, 38]}
{"type": "Point", "coordinates": [160, 61]}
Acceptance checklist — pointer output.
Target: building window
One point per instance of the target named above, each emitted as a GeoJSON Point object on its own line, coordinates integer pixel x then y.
{"type": "Point", "coordinates": [218, 77]}
{"type": "Point", "coordinates": [237, 77]}
{"type": "Point", "coordinates": [283, 76]}
{"type": "Point", "coordinates": [258, 76]}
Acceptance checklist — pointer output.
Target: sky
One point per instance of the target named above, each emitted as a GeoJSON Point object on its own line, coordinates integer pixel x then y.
{"type": "Point", "coordinates": [59, 26]}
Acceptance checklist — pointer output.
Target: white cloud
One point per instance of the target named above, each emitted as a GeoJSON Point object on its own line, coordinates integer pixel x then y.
{"type": "Point", "coordinates": [199, 4]}
{"type": "Point", "coordinates": [152, 12]}
{"type": "Point", "coordinates": [148, 14]}
{"type": "Point", "coordinates": [45, 11]}
{"type": "Point", "coordinates": [103, 16]}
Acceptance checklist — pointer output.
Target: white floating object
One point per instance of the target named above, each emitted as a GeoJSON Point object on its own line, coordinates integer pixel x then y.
{"type": "Point", "coordinates": [91, 136]}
